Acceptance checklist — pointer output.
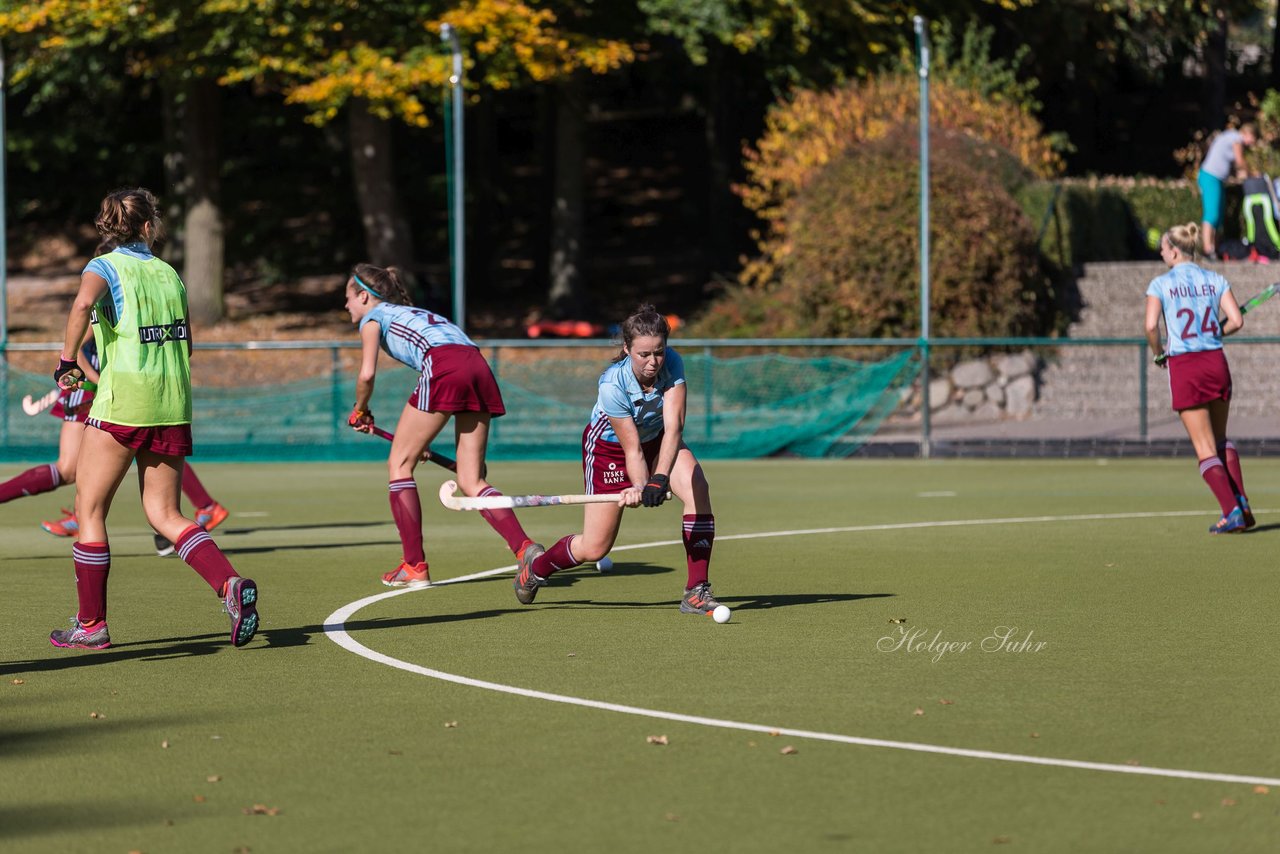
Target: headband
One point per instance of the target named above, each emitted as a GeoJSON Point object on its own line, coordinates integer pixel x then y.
{"type": "Point", "coordinates": [366, 287]}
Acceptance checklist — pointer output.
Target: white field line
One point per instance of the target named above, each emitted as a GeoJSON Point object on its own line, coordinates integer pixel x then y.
{"type": "Point", "coordinates": [335, 623]}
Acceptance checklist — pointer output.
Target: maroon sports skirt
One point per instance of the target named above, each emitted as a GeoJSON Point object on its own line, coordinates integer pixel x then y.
{"type": "Point", "coordinates": [604, 465]}
{"type": "Point", "coordinates": [456, 378]}
{"type": "Point", "coordinates": [171, 440]}
{"type": "Point", "coordinates": [1199, 378]}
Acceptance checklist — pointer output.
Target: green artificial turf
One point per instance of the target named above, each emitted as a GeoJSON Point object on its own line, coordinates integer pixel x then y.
{"type": "Point", "coordinates": [1148, 643]}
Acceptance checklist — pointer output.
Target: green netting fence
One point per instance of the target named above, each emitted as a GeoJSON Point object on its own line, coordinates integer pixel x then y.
{"type": "Point", "coordinates": [738, 407]}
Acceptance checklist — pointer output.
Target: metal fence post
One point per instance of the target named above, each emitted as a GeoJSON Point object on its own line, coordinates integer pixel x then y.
{"type": "Point", "coordinates": [493, 366]}
{"type": "Point", "coordinates": [335, 377]}
{"type": "Point", "coordinates": [707, 393]}
{"type": "Point", "coordinates": [1142, 391]}
{"type": "Point", "coordinates": [926, 432]}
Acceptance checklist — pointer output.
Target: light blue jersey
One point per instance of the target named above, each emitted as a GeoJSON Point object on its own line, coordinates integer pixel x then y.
{"type": "Point", "coordinates": [102, 265]}
{"type": "Point", "coordinates": [408, 332]}
{"type": "Point", "coordinates": [621, 397]}
{"type": "Point", "coordinates": [1190, 296]}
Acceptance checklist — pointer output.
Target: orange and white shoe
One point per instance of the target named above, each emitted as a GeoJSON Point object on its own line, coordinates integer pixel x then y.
{"type": "Point", "coordinates": [67, 526]}
{"type": "Point", "coordinates": [408, 575]}
{"type": "Point", "coordinates": [212, 516]}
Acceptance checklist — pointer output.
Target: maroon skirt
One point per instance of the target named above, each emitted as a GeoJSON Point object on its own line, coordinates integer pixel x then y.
{"type": "Point", "coordinates": [1199, 378]}
{"type": "Point", "coordinates": [604, 464]}
{"type": "Point", "coordinates": [171, 440]}
{"type": "Point", "coordinates": [456, 378]}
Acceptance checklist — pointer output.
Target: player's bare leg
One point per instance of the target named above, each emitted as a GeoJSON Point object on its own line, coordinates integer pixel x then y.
{"type": "Point", "coordinates": [1200, 429]}
{"type": "Point", "coordinates": [95, 489]}
{"type": "Point", "coordinates": [471, 432]}
{"type": "Point", "coordinates": [698, 531]}
{"type": "Point", "coordinates": [600, 524]}
{"type": "Point", "coordinates": [414, 433]}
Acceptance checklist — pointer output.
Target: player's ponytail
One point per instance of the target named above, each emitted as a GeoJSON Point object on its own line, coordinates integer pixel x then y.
{"type": "Point", "coordinates": [644, 321]}
{"type": "Point", "coordinates": [125, 213]}
{"type": "Point", "coordinates": [382, 282]}
{"type": "Point", "coordinates": [1184, 238]}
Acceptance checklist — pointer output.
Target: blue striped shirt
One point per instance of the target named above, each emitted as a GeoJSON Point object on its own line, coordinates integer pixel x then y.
{"type": "Point", "coordinates": [620, 396]}
{"type": "Point", "coordinates": [409, 332]}
{"type": "Point", "coordinates": [103, 267]}
{"type": "Point", "coordinates": [1190, 297]}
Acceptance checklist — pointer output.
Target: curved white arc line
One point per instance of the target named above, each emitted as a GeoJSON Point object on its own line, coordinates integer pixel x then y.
{"type": "Point", "coordinates": [335, 622]}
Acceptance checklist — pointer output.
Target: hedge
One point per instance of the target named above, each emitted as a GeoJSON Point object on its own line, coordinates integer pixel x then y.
{"type": "Point", "coordinates": [1108, 219]}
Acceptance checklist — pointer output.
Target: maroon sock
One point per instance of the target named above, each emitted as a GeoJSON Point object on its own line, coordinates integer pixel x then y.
{"type": "Point", "coordinates": [559, 556]}
{"type": "Point", "coordinates": [505, 523]}
{"type": "Point", "coordinates": [1215, 475]}
{"type": "Point", "coordinates": [93, 565]}
{"type": "Point", "coordinates": [202, 554]}
{"type": "Point", "coordinates": [31, 482]}
{"type": "Point", "coordinates": [1231, 459]}
{"type": "Point", "coordinates": [699, 535]}
{"type": "Point", "coordinates": [406, 509]}
{"type": "Point", "coordinates": [194, 489]}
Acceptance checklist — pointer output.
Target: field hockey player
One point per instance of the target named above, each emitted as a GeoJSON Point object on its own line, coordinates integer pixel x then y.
{"type": "Point", "coordinates": [634, 447]}
{"type": "Point", "coordinates": [1190, 300]}
{"type": "Point", "coordinates": [455, 382]}
{"type": "Point", "coordinates": [138, 308]}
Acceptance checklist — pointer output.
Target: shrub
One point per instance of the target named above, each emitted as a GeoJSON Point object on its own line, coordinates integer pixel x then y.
{"type": "Point", "coordinates": [851, 269]}
{"type": "Point", "coordinates": [812, 129]}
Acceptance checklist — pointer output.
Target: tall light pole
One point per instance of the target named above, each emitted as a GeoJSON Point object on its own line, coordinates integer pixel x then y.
{"type": "Point", "coordinates": [4, 254]}
{"type": "Point", "coordinates": [922, 67]}
{"type": "Point", "coordinates": [455, 160]}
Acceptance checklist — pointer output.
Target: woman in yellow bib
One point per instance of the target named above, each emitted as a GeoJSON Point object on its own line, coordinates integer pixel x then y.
{"type": "Point", "coordinates": [137, 306]}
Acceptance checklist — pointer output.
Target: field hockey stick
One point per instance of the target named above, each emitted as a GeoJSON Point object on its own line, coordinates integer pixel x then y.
{"type": "Point", "coordinates": [40, 404]}
{"type": "Point", "coordinates": [510, 502]}
{"type": "Point", "coordinates": [1267, 293]}
{"type": "Point", "coordinates": [429, 455]}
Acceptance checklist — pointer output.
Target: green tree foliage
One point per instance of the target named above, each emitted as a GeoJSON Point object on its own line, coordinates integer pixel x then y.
{"type": "Point", "coordinates": [852, 267]}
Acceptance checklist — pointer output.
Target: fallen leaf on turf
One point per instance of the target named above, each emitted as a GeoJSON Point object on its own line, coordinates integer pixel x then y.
{"type": "Point", "coordinates": [1035, 735]}
{"type": "Point", "coordinates": [95, 715]}
{"type": "Point", "coordinates": [199, 799]}
{"type": "Point", "coordinates": [1195, 816]}
{"type": "Point", "coordinates": [898, 620]}
{"type": "Point", "coordinates": [657, 739]}
{"type": "Point", "coordinates": [243, 849]}
{"type": "Point", "coordinates": [1160, 801]}
{"type": "Point", "coordinates": [946, 702]}
{"type": "Point", "coordinates": [671, 817]}
{"type": "Point", "coordinates": [261, 809]}
{"type": "Point", "coordinates": [450, 724]}
{"type": "Point", "coordinates": [1228, 802]}
{"type": "Point", "coordinates": [164, 745]}
{"type": "Point", "coordinates": [396, 752]}
{"type": "Point", "coordinates": [19, 681]}
{"type": "Point", "coordinates": [1132, 762]}
{"type": "Point", "coordinates": [1260, 790]}
{"type": "Point", "coordinates": [213, 778]}
{"type": "Point", "coordinates": [751, 744]}
{"type": "Point", "coordinates": [788, 751]}
{"type": "Point", "coordinates": [1001, 840]}
{"type": "Point", "coordinates": [1111, 564]}
{"type": "Point", "coordinates": [572, 654]}
{"type": "Point", "coordinates": [919, 712]}
{"type": "Point", "coordinates": [774, 733]}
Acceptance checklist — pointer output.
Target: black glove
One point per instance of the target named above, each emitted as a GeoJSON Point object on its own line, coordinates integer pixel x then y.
{"type": "Point", "coordinates": [655, 491]}
{"type": "Point", "coordinates": [1160, 360]}
{"type": "Point", "coordinates": [68, 375]}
